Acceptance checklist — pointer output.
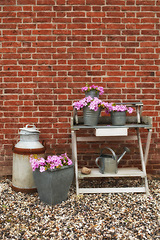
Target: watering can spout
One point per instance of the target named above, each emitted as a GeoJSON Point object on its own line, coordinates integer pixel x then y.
{"type": "Point", "coordinates": [125, 151]}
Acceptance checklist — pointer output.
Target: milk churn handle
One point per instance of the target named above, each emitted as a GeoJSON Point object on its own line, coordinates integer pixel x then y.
{"type": "Point", "coordinates": [13, 145]}
{"type": "Point", "coordinates": [114, 155]}
{"type": "Point", "coordinates": [30, 125]}
{"type": "Point", "coordinates": [44, 144]}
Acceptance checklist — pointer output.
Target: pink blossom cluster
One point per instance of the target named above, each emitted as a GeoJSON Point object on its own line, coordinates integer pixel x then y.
{"type": "Point", "coordinates": [92, 103]}
{"type": "Point", "coordinates": [52, 162]}
{"type": "Point", "coordinates": [93, 87]}
{"type": "Point", "coordinates": [95, 103]}
{"type": "Point", "coordinates": [117, 108]}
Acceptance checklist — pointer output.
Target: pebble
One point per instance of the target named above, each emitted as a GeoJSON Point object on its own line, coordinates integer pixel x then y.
{"type": "Point", "coordinates": [115, 216]}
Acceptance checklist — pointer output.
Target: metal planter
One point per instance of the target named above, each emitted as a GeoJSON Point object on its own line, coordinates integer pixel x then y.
{"type": "Point", "coordinates": [118, 118]}
{"type": "Point", "coordinates": [92, 93]}
{"type": "Point", "coordinates": [53, 185]}
{"type": "Point", "coordinates": [91, 117]}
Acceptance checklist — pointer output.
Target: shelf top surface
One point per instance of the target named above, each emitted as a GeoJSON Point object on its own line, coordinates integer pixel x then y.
{"type": "Point", "coordinates": [122, 172]}
{"type": "Point", "coordinates": [76, 127]}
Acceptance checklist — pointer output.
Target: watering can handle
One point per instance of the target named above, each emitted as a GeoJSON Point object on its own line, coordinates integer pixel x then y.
{"type": "Point", "coordinates": [97, 159]}
{"type": "Point", "coordinates": [114, 155]}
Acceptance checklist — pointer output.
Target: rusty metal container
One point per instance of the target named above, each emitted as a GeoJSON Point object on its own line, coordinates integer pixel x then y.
{"type": "Point", "coordinates": [22, 175]}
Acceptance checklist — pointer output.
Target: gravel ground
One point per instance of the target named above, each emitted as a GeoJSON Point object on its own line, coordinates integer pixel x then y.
{"type": "Point", "coordinates": [89, 216]}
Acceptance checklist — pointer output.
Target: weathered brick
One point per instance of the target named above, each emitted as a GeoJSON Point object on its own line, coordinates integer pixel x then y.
{"type": "Point", "coordinates": [7, 2]}
{"type": "Point", "coordinates": [45, 2]}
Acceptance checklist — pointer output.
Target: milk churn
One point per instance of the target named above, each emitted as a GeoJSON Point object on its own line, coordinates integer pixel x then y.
{"type": "Point", "coordinates": [22, 176]}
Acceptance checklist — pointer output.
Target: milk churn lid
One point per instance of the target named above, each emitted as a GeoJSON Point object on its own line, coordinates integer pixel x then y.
{"type": "Point", "coordinates": [29, 128]}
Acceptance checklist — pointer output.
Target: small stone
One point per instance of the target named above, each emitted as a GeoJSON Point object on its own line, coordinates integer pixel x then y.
{"type": "Point", "coordinates": [86, 170]}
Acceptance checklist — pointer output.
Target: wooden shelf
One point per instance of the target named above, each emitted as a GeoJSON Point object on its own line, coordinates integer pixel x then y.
{"type": "Point", "coordinates": [122, 172]}
{"type": "Point", "coordinates": [113, 190]}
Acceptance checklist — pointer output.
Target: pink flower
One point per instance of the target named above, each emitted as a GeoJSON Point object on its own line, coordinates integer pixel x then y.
{"type": "Point", "coordinates": [92, 103]}
{"type": "Point", "coordinates": [52, 162]}
{"type": "Point", "coordinates": [117, 108]}
{"type": "Point", "coordinates": [130, 110]}
{"type": "Point", "coordinates": [93, 87]}
{"type": "Point", "coordinates": [42, 169]}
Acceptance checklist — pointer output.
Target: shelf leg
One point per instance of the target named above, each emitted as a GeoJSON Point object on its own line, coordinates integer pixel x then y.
{"type": "Point", "coordinates": [142, 160]}
{"type": "Point", "coordinates": [74, 157]}
{"type": "Point", "coordinates": [138, 115]}
{"type": "Point", "coordinates": [147, 146]}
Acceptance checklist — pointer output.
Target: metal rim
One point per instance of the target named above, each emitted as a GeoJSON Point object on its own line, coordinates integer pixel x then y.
{"type": "Point", "coordinates": [26, 151]}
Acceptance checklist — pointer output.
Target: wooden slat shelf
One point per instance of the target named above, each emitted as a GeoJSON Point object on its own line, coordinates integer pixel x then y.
{"type": "Point", "coordinates": [113, 190]}
{"type": "Point", "coordinates": [122, 172]}
{"type": "Point", "coordinates": [105, 122]}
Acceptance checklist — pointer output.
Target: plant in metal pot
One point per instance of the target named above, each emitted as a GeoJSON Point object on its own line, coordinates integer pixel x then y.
{"type": "Point", "coordinates": [93, 90]}
{"type": "Point", "coordinates": [118, 113]}
{"type": "Point", "coordinates": [91, 109]}
{"type": "Point", "coordinates": [53, 177]}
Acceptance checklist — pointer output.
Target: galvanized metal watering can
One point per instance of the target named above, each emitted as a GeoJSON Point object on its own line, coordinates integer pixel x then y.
{"type": "Point", "coordinates": [108, 163]}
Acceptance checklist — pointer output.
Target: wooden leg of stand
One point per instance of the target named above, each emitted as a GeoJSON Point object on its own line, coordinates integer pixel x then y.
{"type": "Point", "coordinates": [142, 160]}
{"type": "Point", "coordinates": [74, 157]}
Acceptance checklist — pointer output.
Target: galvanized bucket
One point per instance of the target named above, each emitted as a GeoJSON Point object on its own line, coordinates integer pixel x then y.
{"type": "Point", "coordinates": [92, 93]}
{"type": "Point", "coordinates": [118, 118]}
{"type": "Point", "coordinates": [91, 117]}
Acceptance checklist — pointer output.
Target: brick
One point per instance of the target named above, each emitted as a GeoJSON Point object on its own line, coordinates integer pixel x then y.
{"type": "Point", "coordinates": [115, 2]}
{"type": "Point", "coordinates": [12, 20]}
{"type": "Point", "coordinates": [7, 2]}
{"type": "Point", "coordinates": [81, 32]}
{"type": "Point", "coordinates": [42, 20]}
{"type": "Point", "coordinates": [62, 8]}
{"type": "Point", "coordinates": [94, 26]}
{"type": "Point", "coordinates": [45, 2]}
{"type": "Point", "coordinates": [111, 20]}
{"type": "Point", "coordinates": [145, 2]}
{"type": "Point", "coordinates": [26, 38]}
{"type": "Point", "coordinates": [149, 56]}
{"type": "Point", "coordinates": [6, 14]}
{"type": "Point", "coordinates": [76, 26]}
{"type": "Point", "coordinates": [111, 32]}
{"type": "Point", "coordinates": [26, 14]}
{"type": "Point", "coordinates": [39, 8]}
{"type": "Point", "coordinates": [26, 2]}
{"type": "Point", "coordinates": [76, 2]}
{"type": "Point", "coordinates": [41, 32]}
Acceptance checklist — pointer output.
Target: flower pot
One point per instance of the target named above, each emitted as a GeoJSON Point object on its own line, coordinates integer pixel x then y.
{"type": "Point", "coordinates": [91, 117]}
{"type": "Point", "coordinates": [92, 93]}
{"type": "Point", "coordinates": [118, 118]}
{"type": "Point", "coordinates": [53, 185]}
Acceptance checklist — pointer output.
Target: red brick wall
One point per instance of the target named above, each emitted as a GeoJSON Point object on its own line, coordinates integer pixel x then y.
{"type": "Point", "coordinates": [49, 49]}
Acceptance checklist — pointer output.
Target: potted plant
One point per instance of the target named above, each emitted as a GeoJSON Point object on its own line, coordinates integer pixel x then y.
{"type": "Point", "coordinates": [53, 177]}
{"type": "Point", "coordinates": [118, 113]}
{"type": "Point", "coordinates": [93, 91]}
{"type": "Point", "coordinates": [91, 109]}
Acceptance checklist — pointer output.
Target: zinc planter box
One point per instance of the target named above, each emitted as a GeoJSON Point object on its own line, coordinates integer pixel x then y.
{"type": "Point", "coordinates": [53, 185]}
